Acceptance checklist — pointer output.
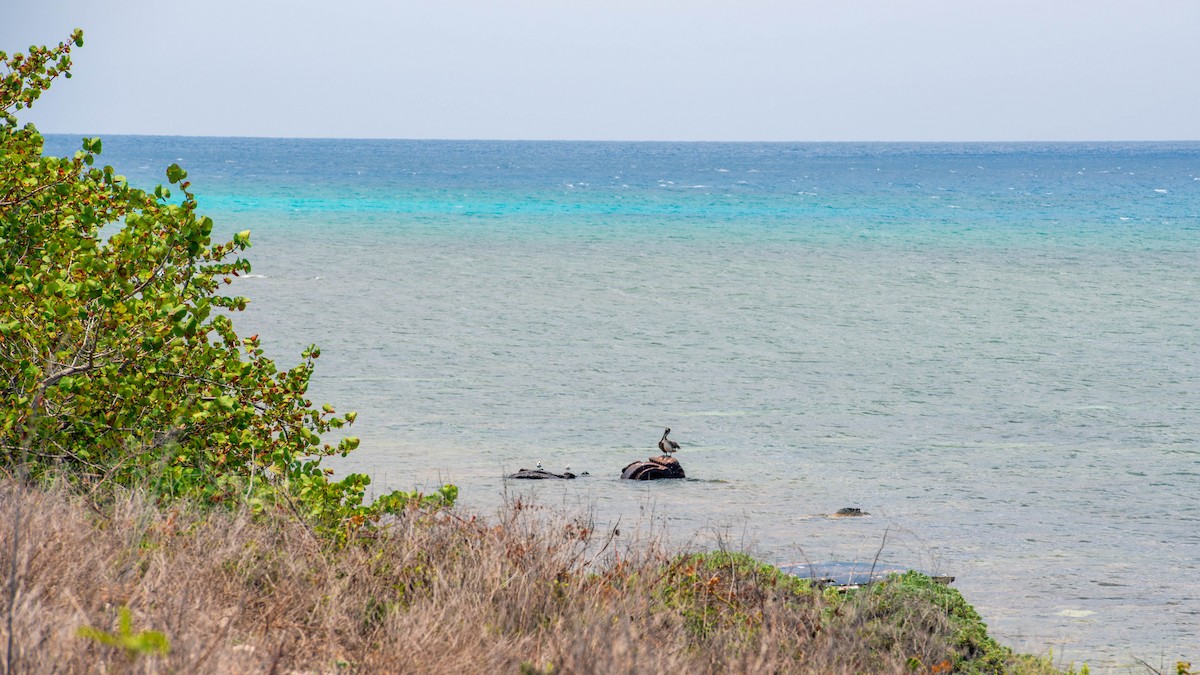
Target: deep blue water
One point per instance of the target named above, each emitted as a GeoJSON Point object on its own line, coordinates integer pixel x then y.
{"type": "Point", "coordinates": [992, 348]}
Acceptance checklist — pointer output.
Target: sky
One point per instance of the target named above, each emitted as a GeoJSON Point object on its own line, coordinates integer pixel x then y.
{"type": "Point", "coordinates": [689, 70]}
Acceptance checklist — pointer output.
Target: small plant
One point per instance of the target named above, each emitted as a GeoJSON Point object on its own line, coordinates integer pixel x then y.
{"type": "Point", "coordinates": [135, 644]}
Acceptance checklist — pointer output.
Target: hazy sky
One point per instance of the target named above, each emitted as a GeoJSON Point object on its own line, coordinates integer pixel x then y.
{"type": "Point", "coordinates": [919, 70]}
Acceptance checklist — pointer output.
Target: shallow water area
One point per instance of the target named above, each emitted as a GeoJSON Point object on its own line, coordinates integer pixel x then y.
{"type": "Point", "coordinates": [991, 349]}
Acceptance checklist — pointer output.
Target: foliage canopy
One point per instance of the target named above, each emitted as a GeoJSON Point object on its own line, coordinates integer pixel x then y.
{"type": "Point", "coordinates": [119, 362]}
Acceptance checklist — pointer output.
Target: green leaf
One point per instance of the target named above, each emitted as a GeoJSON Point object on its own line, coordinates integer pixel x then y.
{"type": "Point", "coordinates": [175, 173]}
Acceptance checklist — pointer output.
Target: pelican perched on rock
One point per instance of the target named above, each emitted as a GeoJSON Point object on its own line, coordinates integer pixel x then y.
{"type": "Point", "coordinates": [667, 445]}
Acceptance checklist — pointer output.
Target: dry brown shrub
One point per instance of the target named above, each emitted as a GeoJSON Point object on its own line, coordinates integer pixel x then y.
{"type": "Point", "coordinates": [528, 591]}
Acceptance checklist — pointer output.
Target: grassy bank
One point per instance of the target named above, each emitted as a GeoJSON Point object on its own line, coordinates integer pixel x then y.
{"type": "Point", "coordinates": [436, 591]}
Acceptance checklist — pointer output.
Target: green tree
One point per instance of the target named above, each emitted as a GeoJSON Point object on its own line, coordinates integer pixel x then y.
{"type": "Point", "coordinates": [119, 360]}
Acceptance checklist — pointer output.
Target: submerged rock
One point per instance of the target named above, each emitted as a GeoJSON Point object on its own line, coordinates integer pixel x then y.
{"type": "Point", "coordinates": [655, 468]}
{"type": "Point", "coordinates": [841, 574]}
{"type": "Point", "coordinates": [540, 474]}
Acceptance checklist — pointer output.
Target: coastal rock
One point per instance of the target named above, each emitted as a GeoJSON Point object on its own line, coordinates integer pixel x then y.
{"type": "Point", "coordinates": [655, 469]}
{"type": "Point", "coordinates": [851, 512]}
{"type": "Point", "coordinates": [845, 575]}
{"type": "Point", "coordinates": [540, 474]}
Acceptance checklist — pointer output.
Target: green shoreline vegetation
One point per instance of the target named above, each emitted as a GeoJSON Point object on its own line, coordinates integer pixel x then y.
{"type": "Point", "coordinates": [165, 508]}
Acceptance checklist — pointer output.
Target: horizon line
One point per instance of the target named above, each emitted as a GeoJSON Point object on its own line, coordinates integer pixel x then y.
{"type": "Point", "coordinates": [627, 141]}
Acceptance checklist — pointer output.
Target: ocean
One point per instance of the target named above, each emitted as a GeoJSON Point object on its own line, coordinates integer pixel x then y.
{"type": "Point", "coordinates": [994, 349]}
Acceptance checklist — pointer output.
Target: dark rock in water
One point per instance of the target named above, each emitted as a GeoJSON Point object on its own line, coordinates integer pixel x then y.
{"type": "Point", "coordinates": [540, 474]}
{"type": "Point", "coordinates": [655, 469]}
{"type": "Point", "coordinates": [848, 574]}
{"type": "Point", "coordinates": [850, 511]}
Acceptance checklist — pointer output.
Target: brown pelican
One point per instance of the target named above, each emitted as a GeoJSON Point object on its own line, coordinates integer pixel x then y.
{"type": "Point", "coordinates": [667, 445]}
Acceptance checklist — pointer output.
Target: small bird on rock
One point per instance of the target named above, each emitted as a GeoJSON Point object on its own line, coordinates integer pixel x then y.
{"type": "Point", "coordinates": [667, 445]}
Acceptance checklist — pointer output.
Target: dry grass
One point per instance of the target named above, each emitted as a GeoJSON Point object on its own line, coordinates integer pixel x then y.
{"type": "Point", "coordinates": [529, 591]}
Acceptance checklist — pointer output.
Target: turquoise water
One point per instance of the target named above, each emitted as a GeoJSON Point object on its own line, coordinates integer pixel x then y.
{"type": "Point", "coordinates": [990, 348]}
